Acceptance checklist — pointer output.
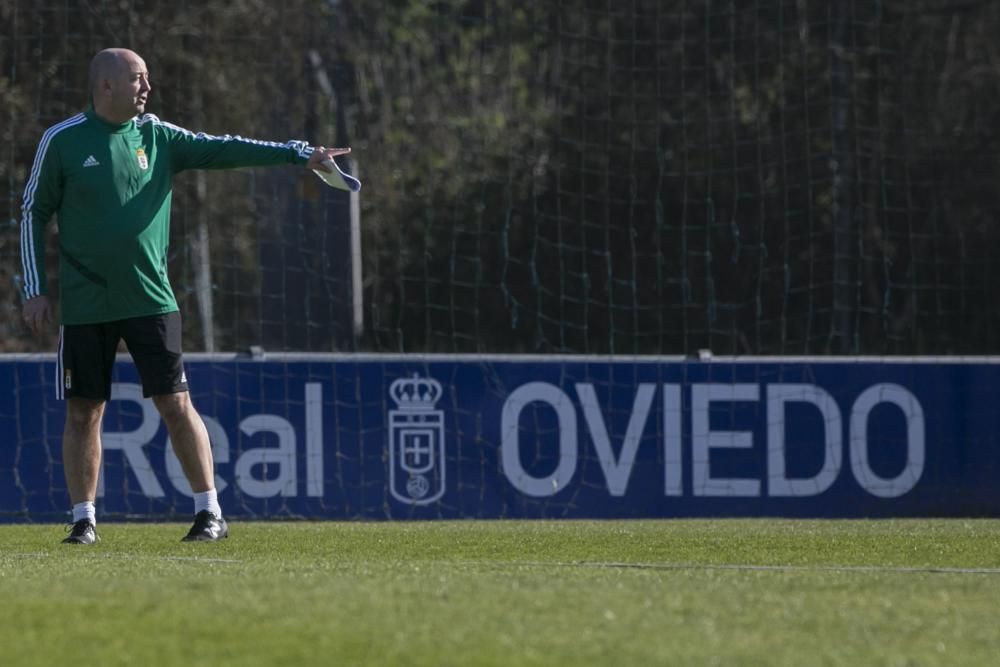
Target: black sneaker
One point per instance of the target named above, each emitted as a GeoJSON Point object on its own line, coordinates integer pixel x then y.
{"type": "Point", "coordinates": [207, 528]}
{"type": "Point", "coordinates": [82, 532]}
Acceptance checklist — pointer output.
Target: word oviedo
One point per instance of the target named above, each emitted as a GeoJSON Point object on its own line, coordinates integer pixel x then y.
{"type": "Point", "coordinates": [704, 439]}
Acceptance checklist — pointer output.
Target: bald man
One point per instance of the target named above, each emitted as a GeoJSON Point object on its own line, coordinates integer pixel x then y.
{"type": "Point", "coordinates": [107, 172]}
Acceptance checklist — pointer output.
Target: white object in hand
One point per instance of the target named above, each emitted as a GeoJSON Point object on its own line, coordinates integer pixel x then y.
{"type": "Point", "coordinates": [336, 178]}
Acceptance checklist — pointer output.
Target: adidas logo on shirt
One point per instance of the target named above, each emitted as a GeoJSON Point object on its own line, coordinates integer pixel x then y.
{"type": "Point", "coordinates": [91, 162]}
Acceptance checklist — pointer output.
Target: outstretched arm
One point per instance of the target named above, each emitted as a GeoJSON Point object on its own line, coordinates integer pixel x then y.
{"type": "Point", "coordinates": [189, 150]}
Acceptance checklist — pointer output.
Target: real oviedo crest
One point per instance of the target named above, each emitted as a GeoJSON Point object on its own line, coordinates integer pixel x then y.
{"type": "Point", "coordinates": [416, 441]}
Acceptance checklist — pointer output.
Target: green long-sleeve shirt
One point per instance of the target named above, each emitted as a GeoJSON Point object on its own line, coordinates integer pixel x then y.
{"type": "Point", "coordinates": [111, 186]}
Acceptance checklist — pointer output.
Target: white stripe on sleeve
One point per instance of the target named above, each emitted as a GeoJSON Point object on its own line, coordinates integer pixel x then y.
{"type": "Point", "coordinates": [29, 262]}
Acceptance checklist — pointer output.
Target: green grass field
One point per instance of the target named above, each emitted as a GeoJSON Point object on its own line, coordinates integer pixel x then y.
{"type": "Point", "coordinates": [734, 592]}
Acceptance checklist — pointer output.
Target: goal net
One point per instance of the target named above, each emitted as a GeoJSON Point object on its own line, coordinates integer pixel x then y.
{"type": "Point", "coordinates": [638, 177]}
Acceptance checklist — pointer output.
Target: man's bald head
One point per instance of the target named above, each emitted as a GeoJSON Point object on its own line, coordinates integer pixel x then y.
{"type": "Point", "coordinates": [119, 84]}
{"type": "Point", "coordinates": [105, 66]}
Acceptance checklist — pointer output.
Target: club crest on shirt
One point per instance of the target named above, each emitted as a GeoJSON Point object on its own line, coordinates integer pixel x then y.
{"type": "Point", "coordinates": [143, 160]}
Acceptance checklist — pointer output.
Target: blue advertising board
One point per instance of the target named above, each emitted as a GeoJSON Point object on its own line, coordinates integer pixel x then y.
{"type": "Point", "coordinates": [423, 437]}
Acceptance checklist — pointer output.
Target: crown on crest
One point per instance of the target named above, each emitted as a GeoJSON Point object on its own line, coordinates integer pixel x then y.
{"type": "Point", "coordinates": [415, 393]}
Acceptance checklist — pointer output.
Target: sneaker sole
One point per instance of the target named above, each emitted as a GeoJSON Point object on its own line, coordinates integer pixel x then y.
{"type": "Point", "coordinates": [204, 539]}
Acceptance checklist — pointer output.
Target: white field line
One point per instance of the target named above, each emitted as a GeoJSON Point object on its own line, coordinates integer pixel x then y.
{"type": "Point", "coordinates": [871, 569]}
{"type": "Point", "coordinates": [746, 567]}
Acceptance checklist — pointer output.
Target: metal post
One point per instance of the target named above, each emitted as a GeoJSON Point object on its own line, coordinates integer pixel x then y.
{"type": "Point", "coordinates": [845, 239]}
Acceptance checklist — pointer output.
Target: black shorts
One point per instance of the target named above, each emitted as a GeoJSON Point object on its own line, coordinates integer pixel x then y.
{"type": "Point", "coordinates": [87, 356]}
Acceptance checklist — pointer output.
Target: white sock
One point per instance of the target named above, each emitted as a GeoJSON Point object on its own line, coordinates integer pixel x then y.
{"type": "Point", "coordinates": [207, 500]}
{"type": "Point", "coordinates": [85, 510]}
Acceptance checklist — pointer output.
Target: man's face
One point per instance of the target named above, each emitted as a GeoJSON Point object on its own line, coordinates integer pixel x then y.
{"type": "Point", "coordinates": [130, 87]}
